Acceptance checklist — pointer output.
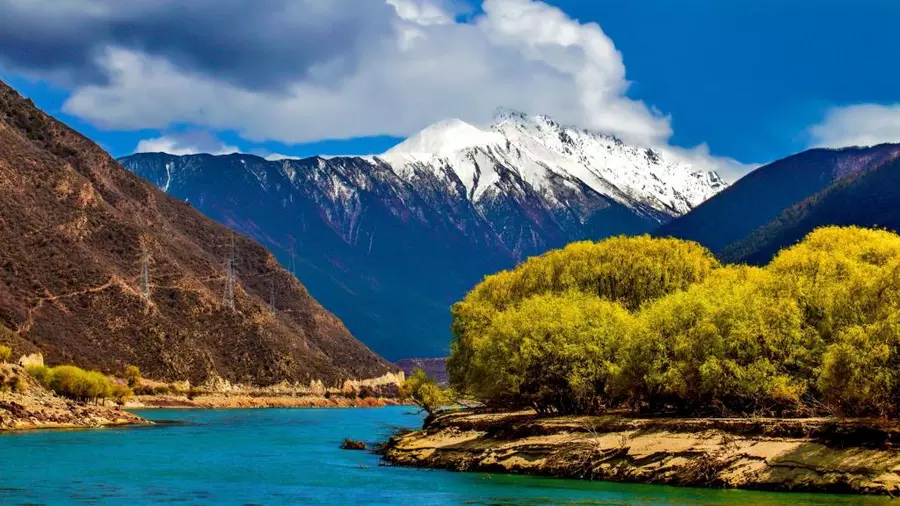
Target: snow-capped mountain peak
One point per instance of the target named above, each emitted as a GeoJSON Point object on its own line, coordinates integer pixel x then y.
{"type": "Point", "coordinates": [443, 139]}
{"type": "Point", "coordinates": [542, 152]}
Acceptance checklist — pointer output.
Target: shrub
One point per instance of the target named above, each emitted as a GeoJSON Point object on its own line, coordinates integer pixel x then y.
{"type": "Point", "coordinates": [842, 277]}
{"type": "Point", "coordinates": [860, 373]}
{"type": "Point", "coordinates": [74, 382]}
{"type": "Point", "coordinates": [551, 352]}
{"type": "Point", "coordinates": [424, 391]}
{"type": "Point", "coordinates": [5, 353]}
{"type": "Point", "coordinates": [132, 375]}
{"type": "Point", "coordinates": [18, 384]}
{"type": "Point", "coordinates": [162, 389]}
{"type": "Point", "coordinates": [39, 372]}
{"type": "Point", "coordinates": [121, 393]}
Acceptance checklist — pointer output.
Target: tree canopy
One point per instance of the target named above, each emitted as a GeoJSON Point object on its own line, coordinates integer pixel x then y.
{"type": "Point", "coordinates": [659, 324]}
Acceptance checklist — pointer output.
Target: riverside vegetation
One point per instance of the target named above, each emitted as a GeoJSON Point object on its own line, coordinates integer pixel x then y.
{"type": "Point", "coordinates": [659, 325]}
{"type": "Point", "coordinates": [58, 397]}
{"type": "Point", "coordinates": [641, 359]}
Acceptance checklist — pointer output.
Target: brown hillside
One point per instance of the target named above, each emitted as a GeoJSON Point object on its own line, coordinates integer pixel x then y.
{"type": "Point", "coordinates": [73, 228]}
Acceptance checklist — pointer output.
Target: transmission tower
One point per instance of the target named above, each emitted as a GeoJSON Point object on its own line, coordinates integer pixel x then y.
{"type": "Point", "coordinates": [228, 297]}
{"type": "Point", "coordinates": [145, 275]}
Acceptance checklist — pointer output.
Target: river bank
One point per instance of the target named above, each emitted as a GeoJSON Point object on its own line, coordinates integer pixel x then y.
{"type": "Point", "coordinates": [243, 401]}
{"type": "Point", "coordinates": [26, 405]}
{"type": "Point", "coordinates": [292, 456]}
{"type": "Point", "coordinates": [812, 455]}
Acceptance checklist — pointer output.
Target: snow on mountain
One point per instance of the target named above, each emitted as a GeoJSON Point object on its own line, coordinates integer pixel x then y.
{"type": "Point", "coordinates": [538, 149]}
{"type": "Point", "coordinates": [389, 242]}
{"type": "Point", "coordinates": [444, 139]}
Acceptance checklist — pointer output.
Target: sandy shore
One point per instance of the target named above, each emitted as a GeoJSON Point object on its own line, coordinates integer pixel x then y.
{"type": "Point", "coordinates": [821, 455]}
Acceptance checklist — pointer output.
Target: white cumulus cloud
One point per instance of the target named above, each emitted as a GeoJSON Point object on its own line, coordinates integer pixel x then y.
{"type": "Point", "coordinates": [857, 125]}
{"type": "Point", "coordinates": [422, 66]}
{"type": "Point", "coordinates": [181, 144]}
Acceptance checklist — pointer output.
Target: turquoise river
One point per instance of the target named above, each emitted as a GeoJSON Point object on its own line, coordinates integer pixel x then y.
{"type": "Point", "coordinates": [291, 456]}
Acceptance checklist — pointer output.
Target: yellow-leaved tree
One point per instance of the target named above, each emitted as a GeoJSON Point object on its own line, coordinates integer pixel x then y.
{"type": "Point", "coordinates": [627, 270]}
{"type": "Point", "coordinates": [658, 324]}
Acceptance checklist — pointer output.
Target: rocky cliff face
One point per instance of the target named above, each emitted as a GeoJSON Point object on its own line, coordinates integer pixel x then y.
{"type": "Point", "coordinates": [102, 269]}
{"type": "Point", "coordinates": [389, 242]}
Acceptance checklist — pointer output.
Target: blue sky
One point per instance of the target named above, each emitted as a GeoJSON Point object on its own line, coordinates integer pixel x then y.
{"type": "Point", "coordinates": [718, 82]}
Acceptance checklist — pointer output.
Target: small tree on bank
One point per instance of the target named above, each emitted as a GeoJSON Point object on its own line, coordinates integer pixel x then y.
{"type": "Point", "coordinates": [132, 375]}
{"type": "Point", "coordinates": [5, 354]}
{"type": "Point", "coordinates": [423, 391]}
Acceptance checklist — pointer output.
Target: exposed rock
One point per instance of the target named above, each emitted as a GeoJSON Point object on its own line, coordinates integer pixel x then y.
{"type": "Point", "coordinates": [34, 359]}
{"type": "Point", "coordinates": [391, 378]}
{"type": "Point", "coordinates": [352, 444]}
{"type": "Point", "coordinates": [821, 455]}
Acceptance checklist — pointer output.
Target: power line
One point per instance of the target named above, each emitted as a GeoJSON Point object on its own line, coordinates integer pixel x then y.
{"type": "Point", "coordinates": [228, 296]}
{"type": "Point", "coordinates": [145, 274]}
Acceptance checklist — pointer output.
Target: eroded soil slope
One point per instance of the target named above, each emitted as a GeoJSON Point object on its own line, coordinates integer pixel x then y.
{"type": "Point", "coordinates": [75, 230]}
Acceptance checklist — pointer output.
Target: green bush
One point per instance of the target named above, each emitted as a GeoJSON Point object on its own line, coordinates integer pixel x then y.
{"type": "Point", "coordinates": [39, 372]}
{"type": "Point", "coordinates": [5, 353]}
{"type": "Point", "coordinates": [163, 390]}
{"type": "Point", "coordinates": [860, 373]}
{"type": "Point", "coordinates": [730, 342]}
{"type": "Point", "coordinates": [551, 352]}
{"type": "Point", "coordinates": [423, 390]}
{"type": "Point", "coordinates": [76, 383]}
{"type": "Point", "coordinates": [132, 375]}
{"type": "Point", "coordinates": [121, 393]}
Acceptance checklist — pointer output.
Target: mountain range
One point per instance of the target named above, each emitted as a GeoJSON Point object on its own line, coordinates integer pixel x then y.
{"type": "Point", "coordinates": [778, 204]}
{"type": "Point", "coordinates": [389, 242]}
{"type": "Point", "coordinates": [100, 268]}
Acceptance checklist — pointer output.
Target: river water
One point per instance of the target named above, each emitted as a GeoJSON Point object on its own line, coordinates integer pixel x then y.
{"type": "Point", "coordinates": [291, 456]}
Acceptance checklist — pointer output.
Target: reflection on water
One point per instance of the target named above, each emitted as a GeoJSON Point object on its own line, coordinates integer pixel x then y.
{"type": "Point", "coordinates": [282, 456]}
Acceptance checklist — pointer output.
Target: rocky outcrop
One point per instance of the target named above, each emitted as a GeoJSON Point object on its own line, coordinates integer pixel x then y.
{"type": "Point", "coordinates": [820, 455]}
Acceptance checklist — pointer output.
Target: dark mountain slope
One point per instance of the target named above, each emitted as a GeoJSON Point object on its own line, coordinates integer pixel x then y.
{"type": "Point", "coordinates": [762, 195]}
{"type": "Point", "coordinates": [869, 199]}
{"type": "Point", "coordinates": [74, 228]}
{"type": "Point", "coordinates": [386, 254]}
